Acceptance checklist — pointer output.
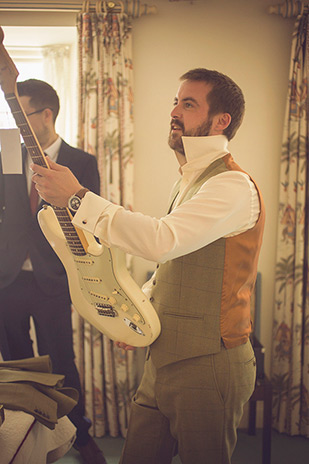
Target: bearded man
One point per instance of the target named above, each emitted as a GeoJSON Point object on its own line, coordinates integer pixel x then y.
{"type": "Point", "coordinates": [200, 371]}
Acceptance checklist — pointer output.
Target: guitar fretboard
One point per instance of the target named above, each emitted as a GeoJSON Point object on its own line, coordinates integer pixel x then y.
{"type": "Point", "coordinates": [37, 156]}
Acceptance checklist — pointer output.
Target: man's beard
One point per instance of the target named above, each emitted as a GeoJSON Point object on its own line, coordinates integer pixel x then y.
{"type": "Point", "coordinates": [176, 142]}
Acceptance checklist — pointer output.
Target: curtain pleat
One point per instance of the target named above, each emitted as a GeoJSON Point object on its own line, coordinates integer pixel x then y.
{"type": "Point", "coordinates": [290, 360]}
{"type": "Point", "coordinates": [109, 374]}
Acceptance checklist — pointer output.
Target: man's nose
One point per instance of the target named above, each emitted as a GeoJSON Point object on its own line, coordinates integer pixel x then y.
{"type": "Point", "coordinates": [175, 113]}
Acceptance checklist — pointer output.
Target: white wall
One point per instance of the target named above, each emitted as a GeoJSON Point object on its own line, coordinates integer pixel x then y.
{"type": "Point", "coordinates": [236, 37]}
{"type": "Point", "coordinates": [240, 39]}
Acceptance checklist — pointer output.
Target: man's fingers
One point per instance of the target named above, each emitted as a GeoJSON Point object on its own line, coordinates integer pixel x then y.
{"type": "Point", "coordinates": [124, 346]}
{"type": "Point", "coordinates": [55, 166]}
{"type": "Point", "coordinates": [56, 185]}
{"type": "Point", "coordinates": [37, 169]}
{"type": "Point", "coordinates": [44, 171]}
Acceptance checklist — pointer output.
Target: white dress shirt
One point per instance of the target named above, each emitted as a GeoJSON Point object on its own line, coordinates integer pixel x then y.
{"type": "Point", "coordinates": [226, 204]}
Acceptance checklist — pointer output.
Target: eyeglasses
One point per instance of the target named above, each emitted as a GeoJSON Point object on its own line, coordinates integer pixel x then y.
{"type": "Point", "coordinates": [38, 111]}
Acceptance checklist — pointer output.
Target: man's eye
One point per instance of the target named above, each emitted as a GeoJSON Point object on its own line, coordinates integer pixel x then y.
{"type": "Point", "coordinates": [188, 105]}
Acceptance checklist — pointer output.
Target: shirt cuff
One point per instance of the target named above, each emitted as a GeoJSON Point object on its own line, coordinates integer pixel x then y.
{"type": "Point", "coordinates": [91, 210]}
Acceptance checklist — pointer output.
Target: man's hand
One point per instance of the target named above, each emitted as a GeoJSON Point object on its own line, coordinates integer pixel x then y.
{"type": "Point", "coordinates": [124, 346]}
{"type": "Point", "coordinates": [55, 185]}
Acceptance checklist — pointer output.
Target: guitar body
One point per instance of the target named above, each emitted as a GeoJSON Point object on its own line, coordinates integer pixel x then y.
{"type": "Point", "coordinates": [101, 288]}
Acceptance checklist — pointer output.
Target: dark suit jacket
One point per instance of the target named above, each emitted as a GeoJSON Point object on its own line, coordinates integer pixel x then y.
{"type": "Point", "coordinates": [20, 233]}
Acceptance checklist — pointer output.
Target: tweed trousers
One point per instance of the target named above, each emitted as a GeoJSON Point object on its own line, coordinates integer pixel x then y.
{"type": "Point", "coordinates": [193, 406]}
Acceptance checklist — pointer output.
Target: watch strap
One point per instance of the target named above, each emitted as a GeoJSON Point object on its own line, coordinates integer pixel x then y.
{"type": "Point", "coordinates": [81, 193]}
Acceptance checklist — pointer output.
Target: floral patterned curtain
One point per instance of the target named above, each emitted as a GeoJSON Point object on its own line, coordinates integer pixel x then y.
{"type": "Point", "coordinates": [290, 363]}
{"type": "Point", "coordinates": [108, 374]}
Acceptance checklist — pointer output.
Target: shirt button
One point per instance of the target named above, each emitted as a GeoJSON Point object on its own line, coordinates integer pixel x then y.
{"type": "Point", "coordinates": [151, 299]}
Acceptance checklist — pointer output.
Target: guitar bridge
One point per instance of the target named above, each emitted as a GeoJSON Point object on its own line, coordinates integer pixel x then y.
{"type": "Point", "coordinates": [105, 309]}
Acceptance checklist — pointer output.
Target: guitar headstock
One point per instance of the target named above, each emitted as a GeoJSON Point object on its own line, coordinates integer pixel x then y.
{"type": "Point", "coordinates": [8, 70]}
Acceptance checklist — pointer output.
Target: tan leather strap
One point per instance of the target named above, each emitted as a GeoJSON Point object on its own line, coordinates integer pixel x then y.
{"type": "Point", "coordinates": [82, 192]}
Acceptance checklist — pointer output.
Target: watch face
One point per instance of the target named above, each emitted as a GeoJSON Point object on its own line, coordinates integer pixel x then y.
{"type": "Point", "coordinates": [75, 203]}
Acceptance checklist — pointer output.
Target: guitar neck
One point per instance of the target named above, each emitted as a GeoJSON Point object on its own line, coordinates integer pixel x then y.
{"type": "Point", "coordinates": [37, 155]}
{"type": "Point", "coordinates": [32, 145]}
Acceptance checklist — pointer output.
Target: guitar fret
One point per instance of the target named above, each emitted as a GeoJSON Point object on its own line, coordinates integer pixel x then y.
{"type": "Point", "coordinates": [26, 132]}
{"type": "Point", "coordinates": [67, 227]}
{"type": "Point", "coordinates": [69, 231]}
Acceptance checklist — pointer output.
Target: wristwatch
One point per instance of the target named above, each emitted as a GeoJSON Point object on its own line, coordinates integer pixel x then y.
{"type": "Point", "coordinates": [75, 200]}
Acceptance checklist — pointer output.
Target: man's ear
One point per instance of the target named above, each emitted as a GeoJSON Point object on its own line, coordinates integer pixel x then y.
{"type": "Point", "coordinates": [48, 114]}
{"type": "Point", "coordinates": [220, 122]}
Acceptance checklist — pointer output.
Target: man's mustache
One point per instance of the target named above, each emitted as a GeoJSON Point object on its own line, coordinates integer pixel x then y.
{"type": "Point", "coordinates": [177, 124]}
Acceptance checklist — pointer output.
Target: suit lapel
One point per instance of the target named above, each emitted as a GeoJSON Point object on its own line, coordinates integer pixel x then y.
{"type": "Point", "coordinates": [62, 155]}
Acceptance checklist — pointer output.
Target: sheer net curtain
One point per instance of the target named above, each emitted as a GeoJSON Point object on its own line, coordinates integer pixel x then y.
{"type": "Point", "coordinates": [290, 359]}
{"type": "Point", "coordinates": [60, 71]}
{"type": "Point", "coordinates": [108, 374]}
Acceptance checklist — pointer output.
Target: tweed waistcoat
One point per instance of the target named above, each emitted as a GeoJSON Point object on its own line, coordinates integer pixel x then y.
{"type": "Point", "coordinates": [203, 298]}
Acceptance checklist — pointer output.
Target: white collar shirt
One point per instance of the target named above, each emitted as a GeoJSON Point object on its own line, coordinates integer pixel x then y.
{"type": "Point", "coordinates": [226, 204]}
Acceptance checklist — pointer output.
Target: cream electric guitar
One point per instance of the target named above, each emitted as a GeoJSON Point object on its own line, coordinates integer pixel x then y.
{"type": "Point", "coordinates": [101, 288]}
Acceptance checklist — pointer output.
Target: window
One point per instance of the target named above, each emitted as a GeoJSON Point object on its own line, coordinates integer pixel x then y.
{"type": "Point", "coordinates": [29, 63]}
{"type": "Point", "coordinates": [50, 54]}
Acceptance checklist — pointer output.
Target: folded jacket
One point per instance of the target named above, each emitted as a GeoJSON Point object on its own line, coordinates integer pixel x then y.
{"type": "Point", "coordinates": [39, 364]}
{"type": "Point", "coordinates": [66, 398]}
{"type": "Point", "coordinates": [24, 387]}
{"type": "Point", "coordinates": [15, 375]}
{"type": "Point", "coordinates": [24, 397]}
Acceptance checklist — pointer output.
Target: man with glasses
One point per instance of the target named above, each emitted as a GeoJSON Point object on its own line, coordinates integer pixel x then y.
{"type": "Point", "coordinates": [33, 281]}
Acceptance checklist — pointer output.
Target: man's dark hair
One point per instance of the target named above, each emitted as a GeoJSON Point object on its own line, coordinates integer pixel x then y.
{"type": "Point", "coordinates": [224, 97]}
{"type": "Point", "coordinates": [42, 95]}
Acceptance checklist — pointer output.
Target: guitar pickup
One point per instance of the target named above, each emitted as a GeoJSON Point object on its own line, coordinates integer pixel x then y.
{"type": "Point", "coordinates": [99, 296]}
{"type": "Point", "coordinates": [106, 310]}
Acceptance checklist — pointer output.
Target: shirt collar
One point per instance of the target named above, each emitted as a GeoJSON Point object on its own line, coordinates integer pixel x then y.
{"type": "Point", "coordinates": [53, 150]}
{"type": "Point", "coordinates": [202, 151]}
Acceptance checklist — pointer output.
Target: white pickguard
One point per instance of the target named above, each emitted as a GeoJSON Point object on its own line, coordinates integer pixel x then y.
{"type": "Point", "coordinates": [101, 288]}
